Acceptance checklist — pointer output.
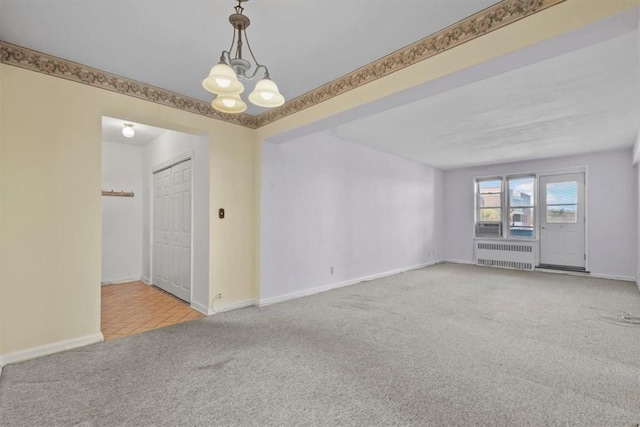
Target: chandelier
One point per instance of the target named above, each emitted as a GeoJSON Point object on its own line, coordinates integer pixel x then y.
{"type": "Point", "coordinates": [224, 78]}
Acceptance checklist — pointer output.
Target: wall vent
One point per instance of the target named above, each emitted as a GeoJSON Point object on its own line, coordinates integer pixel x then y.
{"type": "Point", "coordinates": [505, 247]}
{"type": "Point", "coordinates": [506, 264]}
{"type": "Point", "coordinates": [519, 256]}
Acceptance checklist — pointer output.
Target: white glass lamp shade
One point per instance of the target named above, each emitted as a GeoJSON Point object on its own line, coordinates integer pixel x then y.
{"type": "Point", "coordinates": [266, 94]}
{"type": "Point", "coordinates": [231, 104]}
{"type": "Point", "coordinates": [222, 80]}
{"type": "Point", "coordinates": [128, 131]}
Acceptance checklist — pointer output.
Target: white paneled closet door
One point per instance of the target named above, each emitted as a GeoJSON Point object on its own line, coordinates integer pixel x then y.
{"type": "Point", "coordinates": [172, 230]}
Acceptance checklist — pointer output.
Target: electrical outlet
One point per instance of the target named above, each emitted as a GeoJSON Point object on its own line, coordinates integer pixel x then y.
{"type": "Point", "coordinates": [331, 270]}
{"type": "Point", "coordinates": [219, 296]}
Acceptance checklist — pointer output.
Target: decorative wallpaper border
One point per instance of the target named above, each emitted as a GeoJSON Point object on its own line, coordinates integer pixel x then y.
{"type": "Point", "coordinates": [497, 16]}
{"type": "Point", "coordinates": [40, 62]}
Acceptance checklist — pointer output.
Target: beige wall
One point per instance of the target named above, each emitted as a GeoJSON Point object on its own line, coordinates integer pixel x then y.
{"type": "Point", "coordinates": [2, 320]}
{"type": "Point", "coordinates": [50, 217]}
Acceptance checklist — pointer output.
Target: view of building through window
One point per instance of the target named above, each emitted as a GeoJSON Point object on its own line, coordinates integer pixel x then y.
{"type": "Point", "coordinates": [490, 201]}
{"type": "Point", "coordinates": [521, 207]}
{"type": "Point", "coordinates": [519, 202]}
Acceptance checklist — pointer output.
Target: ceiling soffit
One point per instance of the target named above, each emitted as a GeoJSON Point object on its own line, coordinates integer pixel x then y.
{"type": "Point", "coordinates": [483, 22]}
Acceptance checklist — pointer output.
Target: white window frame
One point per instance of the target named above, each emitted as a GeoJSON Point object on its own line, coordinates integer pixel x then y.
{"type": "Point", "coordinates": [477, 207]}
{"type": "Point", "coordinates": [505, 206]}
{"type": "Point", "coordinates": [507, 224]}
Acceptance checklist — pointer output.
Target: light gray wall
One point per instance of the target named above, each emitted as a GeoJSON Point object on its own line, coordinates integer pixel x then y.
{"type": "Point", "coordinates": [121, 216]}
{"type": "Point", "coordinates": [638, 232]}
{"type": "Point", "coordinates": [328, 203]}
{"type": "Point", "coordinates": [612, 208]}
{"type": "Point", "coordinates": [162, 149]}
{"type": "Point", "coordinates": [636, 163]}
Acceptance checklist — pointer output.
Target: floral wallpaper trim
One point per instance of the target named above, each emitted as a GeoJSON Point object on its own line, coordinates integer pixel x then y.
{"type": "Point", "coordinates": [36, 61]}
{"type": "Point", "coordinates": [497, 16]}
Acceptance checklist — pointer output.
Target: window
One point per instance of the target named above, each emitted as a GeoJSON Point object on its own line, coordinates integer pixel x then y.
{"type": "Point", "coordinates": [521, 206]}
{"type": "Point", "coordinates": [490, 201]}
{"type": "Point", "coordinates": [489, 207]}
{"type": "Point", "coordinates": [506, 203]}
{"type": "Point", "coordinates": [562, 202]}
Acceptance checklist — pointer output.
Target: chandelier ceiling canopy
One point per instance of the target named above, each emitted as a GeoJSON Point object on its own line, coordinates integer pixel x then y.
{"type": "Point", "coordinates": [224, 79]}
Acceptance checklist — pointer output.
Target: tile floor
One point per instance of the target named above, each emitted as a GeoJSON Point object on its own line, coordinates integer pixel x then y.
{"type": "Point", "coordinates": [134, 307]}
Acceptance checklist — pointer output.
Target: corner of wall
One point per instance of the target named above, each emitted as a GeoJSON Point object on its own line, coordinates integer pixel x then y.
{"type": "Point", "coordinates": [257, 204]}
{"type": "Point", "coordinates": [2, 320]}
{"type": "Point", "coordinates": [44, 350]}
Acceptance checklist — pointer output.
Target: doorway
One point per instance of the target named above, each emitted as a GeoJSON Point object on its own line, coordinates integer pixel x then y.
{"type": "Point", "coordinates": [562, 221]}
{"type": "Point", "coordinates": [172, 190]}
{"type": "Point", "coordinates": [155, 227]}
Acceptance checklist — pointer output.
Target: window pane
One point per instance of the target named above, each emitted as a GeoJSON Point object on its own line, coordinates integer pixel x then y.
{"type": "Point", "coordinates": [521, 222]}
{"type": "Point", "coordinates": [521, 217]}
{"type": "Point", "coordinates": [493, 186]}
{"type": "Point", "coordinates": [489, 200]}
{"type": "Point", "coordinates": [561, 193]}
{"type": "Point", "coordinates": [490, 214]}
{"type": "Point", "coordinates": [521, 192]}
{"type": "Point", "coordinates": [566, 214]}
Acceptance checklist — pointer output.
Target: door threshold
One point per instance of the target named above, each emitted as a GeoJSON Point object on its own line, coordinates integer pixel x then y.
{"type": "Point", "coordinates": [566, 268]}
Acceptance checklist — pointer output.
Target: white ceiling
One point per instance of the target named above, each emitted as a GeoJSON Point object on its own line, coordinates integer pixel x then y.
{"type": "Point", "coordinates": [583, 101]}
{"type": "Point", "coordinates": [112, 132]}
{"type": "Point", "coordinates": [173, 44]}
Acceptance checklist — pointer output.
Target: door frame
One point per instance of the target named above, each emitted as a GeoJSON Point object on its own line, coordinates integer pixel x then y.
{"type": "Point", "coordinates": [580, 169]}
{"type": "Point", "coordinates": [187, 155]}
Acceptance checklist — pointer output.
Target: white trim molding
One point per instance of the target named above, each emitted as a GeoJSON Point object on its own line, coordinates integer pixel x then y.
{"type": "Point", "coordinates": [201, 308]}
{"type": "Point", "coordinates": [458, 261]}
{"type": "Point", "coordinates": [612, 277]}
{"type": "Point", "coordinates": [324, 288]}
{"type": "Point", "coordinates": [233, 306]}
{"type": "Point", "coordinates": [122, 280]}
{"type": "Point", "coordinates": [182, 157]}
{"type": "Point", "coordinates": [44, 350]}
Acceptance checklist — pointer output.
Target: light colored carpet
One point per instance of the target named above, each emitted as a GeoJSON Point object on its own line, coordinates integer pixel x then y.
{"type": "Point", "coordinates": [442, 346]}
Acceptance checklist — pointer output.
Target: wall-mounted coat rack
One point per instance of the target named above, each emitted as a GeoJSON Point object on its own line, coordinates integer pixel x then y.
{"type": "Point", "coordinates": [117, 193]}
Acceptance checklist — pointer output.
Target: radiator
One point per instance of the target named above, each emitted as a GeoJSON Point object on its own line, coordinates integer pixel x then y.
{"type": "Point", "coordinates": [519, 256]}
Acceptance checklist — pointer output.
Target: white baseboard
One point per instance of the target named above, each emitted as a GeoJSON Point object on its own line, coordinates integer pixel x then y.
{"type": "Point", "coordinates": [581, 274]}
{"type": "Point", "coordinates": [145, 280]}
{"type": "Point", "coordinates": [221, 308]}
{"type": "Point", "coordinates": [43, 350]}
{"type": "Point", "coordinates": [201, 308]}
{"type": "Point", "coordinates": [613, 277]}
{"type": "Point", "coordinates": [459, 261]}
{"type": "Point", "coordinates": [324, 288]}
{"type": "Point", "coordinates": [122, 280]}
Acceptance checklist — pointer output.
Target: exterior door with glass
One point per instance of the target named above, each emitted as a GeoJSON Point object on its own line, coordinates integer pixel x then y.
{"type": "Point", "coordinates": [562, 221]}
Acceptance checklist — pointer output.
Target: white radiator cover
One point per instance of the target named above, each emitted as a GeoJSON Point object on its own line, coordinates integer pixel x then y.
{"type": "Point", "coordinates": [514, 255]}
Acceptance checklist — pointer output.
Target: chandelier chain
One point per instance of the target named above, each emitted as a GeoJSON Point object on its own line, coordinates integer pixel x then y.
{"type": "Point", "coordinates": [253, 56]}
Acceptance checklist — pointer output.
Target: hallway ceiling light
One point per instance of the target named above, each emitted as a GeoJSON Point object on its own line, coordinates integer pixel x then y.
{"type": "Point", "coordinates": [224, 78]}
{"type": "Point", "coordinates": [128, 130]}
